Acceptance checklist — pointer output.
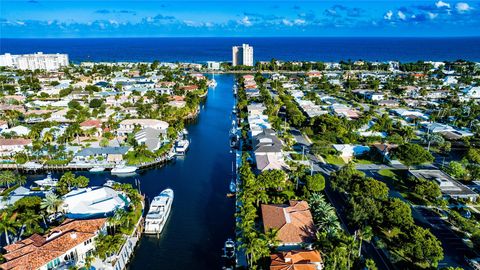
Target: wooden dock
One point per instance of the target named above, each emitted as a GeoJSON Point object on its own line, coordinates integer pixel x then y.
{"type": "Point", "coordinates": [80, 167]}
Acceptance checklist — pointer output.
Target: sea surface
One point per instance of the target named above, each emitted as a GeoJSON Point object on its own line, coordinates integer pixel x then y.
{"type": "Point", "coordinates": [265, 49]}
{"type": "Point", "coordinates": [202, 217]}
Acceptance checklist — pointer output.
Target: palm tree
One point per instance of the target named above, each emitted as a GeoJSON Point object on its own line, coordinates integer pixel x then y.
{"type": "Point", "coordinates": [364, 234]}
{"type": "Point", "coordinates": [8, 225]}
{"type": "Point", "coordinates": [51, 202]}
{"type": "Point", "coordinates": [7, 178]}
{"type": "Point", "coordinates": [48, 137]}
{"type": "Point", "coordinates": [30, 222]}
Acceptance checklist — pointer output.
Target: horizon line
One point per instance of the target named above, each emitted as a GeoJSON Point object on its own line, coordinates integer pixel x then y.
{"type": "Point", "coordinates": [247, 37]}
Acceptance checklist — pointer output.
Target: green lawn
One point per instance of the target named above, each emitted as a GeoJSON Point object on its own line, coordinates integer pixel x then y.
{"type": "Point", "coordinates": [363, 161]}
{"type": "Point", "coordinates": [387, 173]}
{"type": "Point", "coordinates": [335, 160]}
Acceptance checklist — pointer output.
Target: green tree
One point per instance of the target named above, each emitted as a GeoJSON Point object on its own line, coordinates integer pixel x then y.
{"type": "Point", "coordinates": [107, 245]}
{"type": "Point", "coordinates": [51, 202]}
{"type": "Point", "coordinates": [315, 183]}
{"type": "Point", "coordinates": [421, 246]}
{"type": "Point", "coordinates": [397, 213]}
{"type": "Point", "coordinates": [413, 154]}
{"type": "Point", "coordinates": [426, 189]}
{"type": "Point", "coordinates": [95, 103]}
{"type": "Point", "coordinates": [456, 169]}
{"type": "Point", "coordinates": [30, 222]}
{"type": "Point", "coordinates": [8, 225]}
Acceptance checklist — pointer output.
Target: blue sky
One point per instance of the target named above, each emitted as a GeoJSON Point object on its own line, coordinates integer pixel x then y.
{"type": "Point", "coordinates": [88, 18]}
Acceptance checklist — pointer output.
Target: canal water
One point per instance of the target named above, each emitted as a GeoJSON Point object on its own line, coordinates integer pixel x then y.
{"type": "Point", "coordinates": [202, 217]}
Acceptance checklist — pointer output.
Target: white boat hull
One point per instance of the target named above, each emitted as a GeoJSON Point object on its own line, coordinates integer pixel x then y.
{"type": "Point", "coordinates": [124, 170]}
{"type": "Point", "coordinates": [154, 223]}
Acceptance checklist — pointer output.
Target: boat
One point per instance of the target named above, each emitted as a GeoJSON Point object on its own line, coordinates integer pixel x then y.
{"type": "Point", "coordinates": [159, 211]}
{"type": "Point", "coordinates": [233, 186]}
{"type": "Point", "coordinates": [235, 90]}
{"type": "Point", "coordinates": [234, 141]}
{"type": "Point", "coordinates": [110, 183]}
{"type": "Point", "coordinates": [229, 249]}
{"type": "Point", "coordinates": [182, 147]}
{"type": "Point", "coordinates": [185, 131]}
{"type": "Point", "coordinates": [123, 169]}
{"type": "Point", "coordinates": [47, 181]}
{"type": "Point", "coordinates": [97, 169]}
{"type": "Point", "coordinates": [212, 83]}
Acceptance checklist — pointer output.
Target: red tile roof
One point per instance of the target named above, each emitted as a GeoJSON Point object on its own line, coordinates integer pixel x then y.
{"type": "Point", "coordinates": [91, 123]}
{"type": "Point", "coordinates": [296, 260]}
{"type": "Point", "coordinates": [18, 141]}
{"type": "Point", "coordinates": [294, 222]}
{"type": "Point", "coordinates": [38, 250]}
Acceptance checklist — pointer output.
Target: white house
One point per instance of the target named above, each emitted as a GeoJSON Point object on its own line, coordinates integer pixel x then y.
{"type": "Point", "coordinates": [92, 202]}
{"type": "Point", "coordinates": [65, 246]}
{"type": "Point", "coordinates": [11, 146]}
{"type": "Point", "coordinates": [472, 92]}
{"type": "Point", "coordinates": [127, 126]}
{"type": "Point", "coordinates": [348, 151]}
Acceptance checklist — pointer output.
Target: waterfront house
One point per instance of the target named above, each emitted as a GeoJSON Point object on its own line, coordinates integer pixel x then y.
{"type": "Point", "coordinates": [127, 126]}
{"type": "Point", "coordinates": [296, 259]}
{"type": "Point", "coordinates": [108, 154]}
{"type": "Point", "coordinates": [17, 130]}
{"type": "Point", "coordinates": [65, 246]}
{"type": "Point", "coordinates": [92, 124]}
{"type": "Point", "coordinates": [293, 222]}
{"type": "Point", "coordinates": [150, 137]}
{"type": "Point", "coordinates": [9, 147]}
{"type": "Point", "coordinates": [92, 202]}
{"type": "Point", "coordinates": [268, 151]}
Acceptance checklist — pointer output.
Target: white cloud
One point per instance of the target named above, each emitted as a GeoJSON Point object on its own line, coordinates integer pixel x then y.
{"type": "Point", "coordinates": [432, 15]}
{"type": "Point", "coordinates": [245, 21]}
{"type": "Point", "coordinates": [401, 15]}
{"type": "Point", "coordinates": [299, 21]}
{"type": "Point", "coordinates": [441, 4]}
{"type": "Point", "coordinates": [287, 22]}
{"type": "Point", "coordinates": [462, 7]}
{"type": "Point", "coordinates": [388, 15]}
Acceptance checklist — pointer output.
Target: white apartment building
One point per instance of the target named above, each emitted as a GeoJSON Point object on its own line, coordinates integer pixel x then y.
{"type": "Point", "coordinates": [34, 61]}
{"type": "Point", "coordinates": [211, 65]}
{"type": "Point", "coordinates": [242, 55]}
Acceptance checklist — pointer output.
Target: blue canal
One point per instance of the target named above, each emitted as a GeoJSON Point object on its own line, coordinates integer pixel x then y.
{"type": "Point", "coordinates": [202, 217]}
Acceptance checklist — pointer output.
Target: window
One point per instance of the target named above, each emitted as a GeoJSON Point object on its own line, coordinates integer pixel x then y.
{"type": "Point", "coordinates": [53, 264]}
{"type": "Point", "coordinates": [87, 242]}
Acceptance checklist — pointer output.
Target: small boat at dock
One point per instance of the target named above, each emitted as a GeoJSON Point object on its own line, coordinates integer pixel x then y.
{"type": "Point", "coordinates": [97, 169]}
{"type": "Point", "coordinates": [233, 186]}
{"type": "Point", "coordinates": [47, 181]}
{"type": "Point", "coordinates": [158, 213]}
{"type": "Point", "coordinates": [181, 147]}
{"type": "Point", "coordinates": [229, 249]}
{"type": "Point", "coordinates": [123, 169]}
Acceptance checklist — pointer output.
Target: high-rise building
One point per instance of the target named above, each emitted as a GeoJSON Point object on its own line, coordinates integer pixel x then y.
{"type": "Point", "coordinates": [242, 55]}
{"type": "Point", "coordinates": [34, 61]}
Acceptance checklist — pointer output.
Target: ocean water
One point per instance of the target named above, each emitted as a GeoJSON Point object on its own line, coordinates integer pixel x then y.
{"type": "Point", "coordinates": [219, 49]}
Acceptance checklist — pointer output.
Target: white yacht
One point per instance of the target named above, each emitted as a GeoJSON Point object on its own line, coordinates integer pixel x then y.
{"type": "Point", "coordinates": [212, 83]}
{"type": "Point", "coordinates": [182, 147]}
{"type": "Point", "coordinates": [123, 169]}
{"type": "Point", "coordinates": [159, 211]}
{"type": "Point", "coordinates": [97, 169]}
{"type": "Point", "coordinates": [47, 181]}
